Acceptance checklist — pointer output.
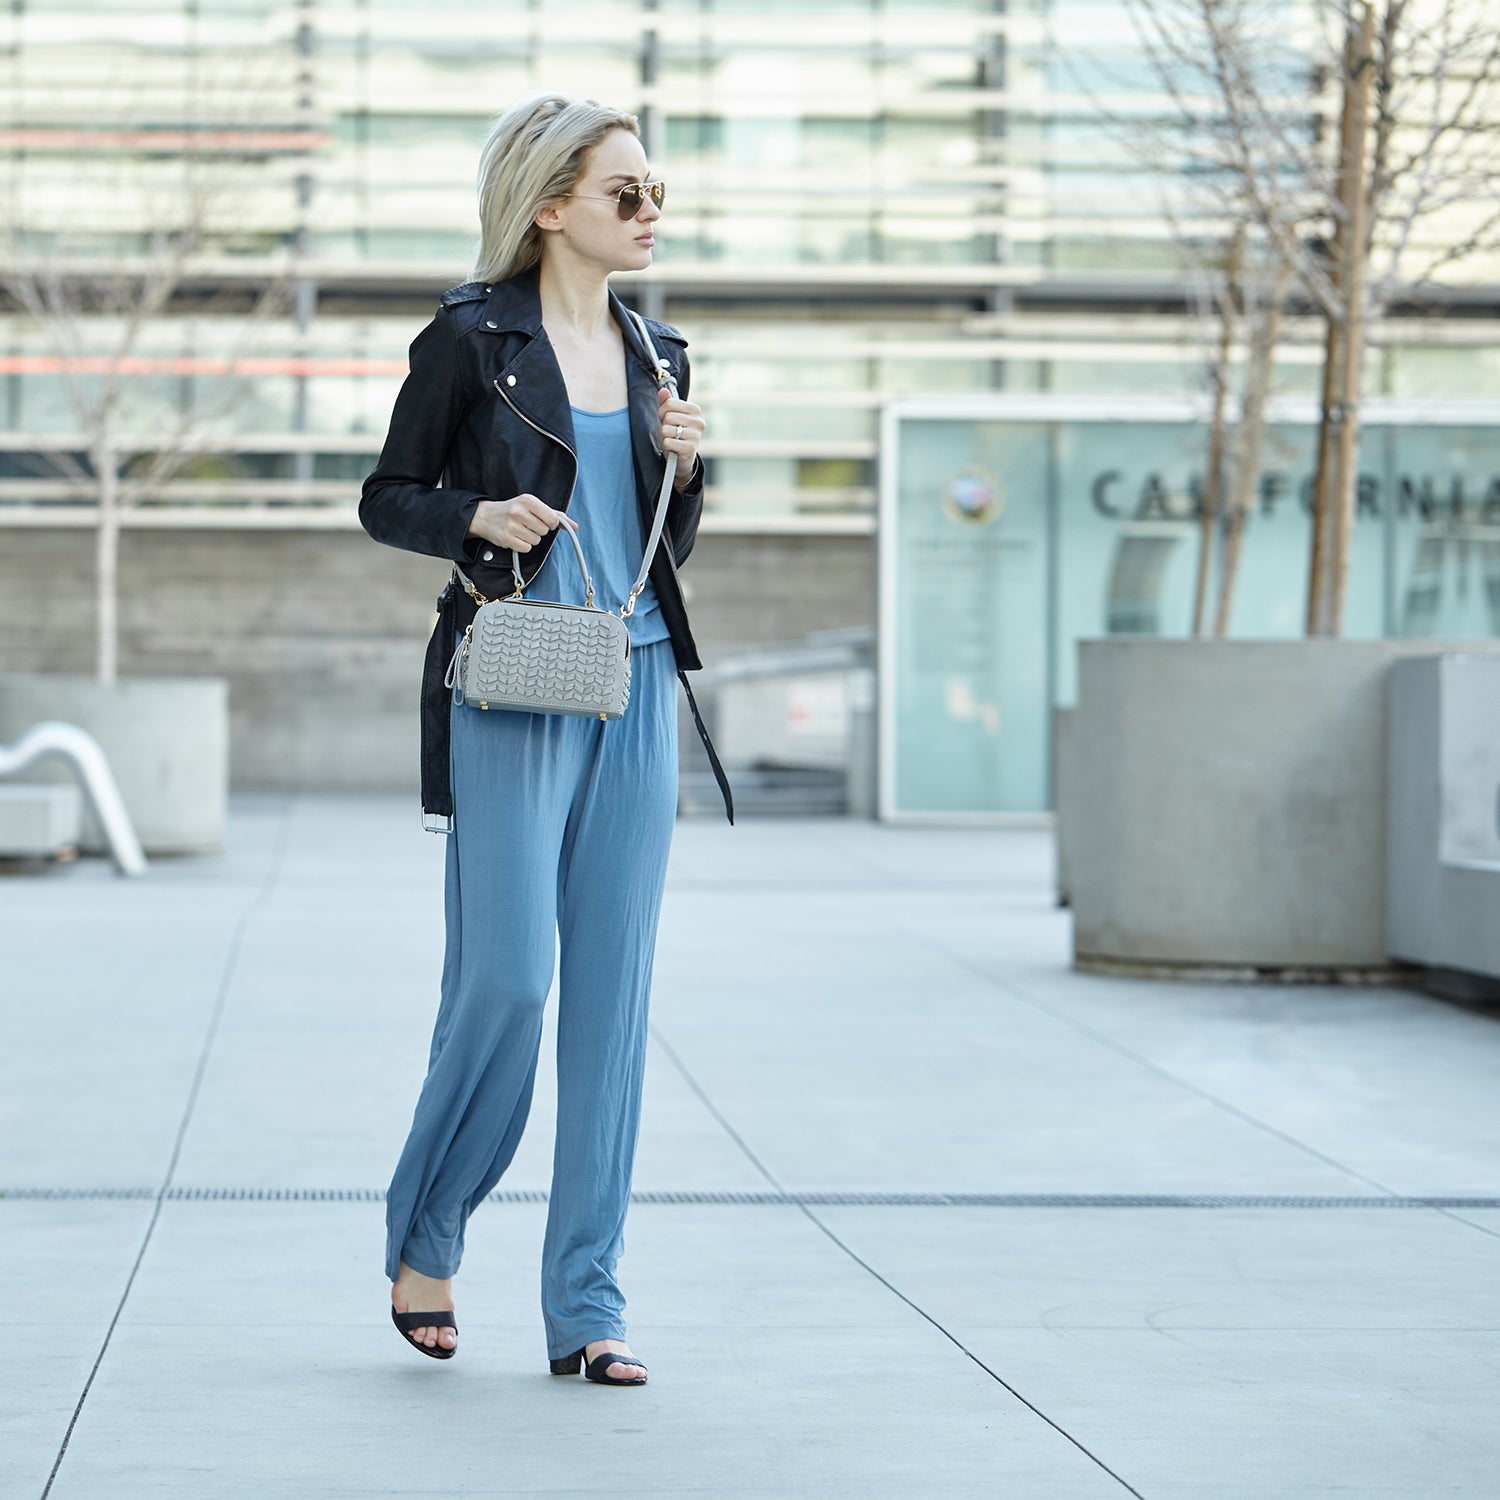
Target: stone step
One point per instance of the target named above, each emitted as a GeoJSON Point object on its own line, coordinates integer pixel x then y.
{"type": "Point", "coordinates": [786, 791]}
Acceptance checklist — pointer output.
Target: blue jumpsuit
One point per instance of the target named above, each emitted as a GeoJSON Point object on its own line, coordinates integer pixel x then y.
{"type": "Point", "coordinates": [561, 828]}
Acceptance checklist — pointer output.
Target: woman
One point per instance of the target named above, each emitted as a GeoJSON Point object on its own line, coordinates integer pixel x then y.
{"type": "Point", "coordinates": [533, 398]}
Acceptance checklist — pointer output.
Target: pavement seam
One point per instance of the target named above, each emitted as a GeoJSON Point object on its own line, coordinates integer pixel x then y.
{"type": "Point", "coordinates": [890, 1286]}
{"type": "Point", "coordinates": [1104, 1039]}
{"type": "Point", "coordinates": [1448, 1213]}
{"type": "Point", "coordinates": [226, 978]}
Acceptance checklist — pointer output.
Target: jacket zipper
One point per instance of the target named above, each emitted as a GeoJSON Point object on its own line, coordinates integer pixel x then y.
{"type": "Point", "coordinates": [500, 389]}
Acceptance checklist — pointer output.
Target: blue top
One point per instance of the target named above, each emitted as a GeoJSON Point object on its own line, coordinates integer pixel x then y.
{"type": "Point", "coordinates": [609, 529]}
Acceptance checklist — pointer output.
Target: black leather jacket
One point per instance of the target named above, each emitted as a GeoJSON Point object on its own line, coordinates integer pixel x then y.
{"type": "Point", "coordinates": [484, 415]}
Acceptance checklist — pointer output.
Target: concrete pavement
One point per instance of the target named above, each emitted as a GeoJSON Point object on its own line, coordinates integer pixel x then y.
{"type": "Point", "coordinates": [920, 1211]}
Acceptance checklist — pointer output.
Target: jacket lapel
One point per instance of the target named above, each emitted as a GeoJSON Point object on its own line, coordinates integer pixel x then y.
{"type": "Point", "coordinates": [533, 383]}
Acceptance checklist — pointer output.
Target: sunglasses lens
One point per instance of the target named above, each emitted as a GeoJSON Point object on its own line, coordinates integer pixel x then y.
{"type": "Point", "coordinates": [633, 198]}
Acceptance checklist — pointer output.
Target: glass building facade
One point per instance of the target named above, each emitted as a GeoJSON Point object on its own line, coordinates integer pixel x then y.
{"type": "Point", "coordinates": [869, 200]}
{"type": "Point", "coordinates": [1013, 527]}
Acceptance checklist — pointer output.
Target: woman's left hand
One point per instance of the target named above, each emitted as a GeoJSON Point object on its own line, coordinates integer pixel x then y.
{"type": "Point", "coordinates": [681, 432]}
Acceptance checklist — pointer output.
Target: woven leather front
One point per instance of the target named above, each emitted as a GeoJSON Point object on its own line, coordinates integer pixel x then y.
{"type": "Point", "coordinates": [548, 658]}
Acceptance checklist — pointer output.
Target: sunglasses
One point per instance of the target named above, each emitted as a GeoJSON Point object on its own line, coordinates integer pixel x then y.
{"type": "Point", "coordinates": [631, 198]}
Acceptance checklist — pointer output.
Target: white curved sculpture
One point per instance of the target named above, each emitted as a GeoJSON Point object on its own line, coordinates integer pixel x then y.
{"type": "Point", "coordinates": [82, 750]}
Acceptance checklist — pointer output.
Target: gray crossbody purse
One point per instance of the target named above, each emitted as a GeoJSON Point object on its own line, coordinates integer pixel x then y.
{"type": "Point", "coordinates": [545, 657]}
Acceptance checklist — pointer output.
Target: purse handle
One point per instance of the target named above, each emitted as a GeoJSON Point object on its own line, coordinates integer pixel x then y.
{"type": "Point", "coordinates": [664, 377]}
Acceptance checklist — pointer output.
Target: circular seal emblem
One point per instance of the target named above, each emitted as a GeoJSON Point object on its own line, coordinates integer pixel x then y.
{"type": "Point", "coordinates": [973, 497]}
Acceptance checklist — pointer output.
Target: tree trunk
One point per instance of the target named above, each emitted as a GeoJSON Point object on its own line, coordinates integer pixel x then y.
{"type": "Point", "coordinates": [1213, 484]}
{"type": "Point", "coordinates": [1325, 481]}
{"type": "Point", "coordinates": [1249, 444]}
{"type": "Point", "coordinates": [1336, 479]}
{"type": "Point", "coordinates": [1352, 364]}
{"type": "Point", "coordinates": [107, 561]}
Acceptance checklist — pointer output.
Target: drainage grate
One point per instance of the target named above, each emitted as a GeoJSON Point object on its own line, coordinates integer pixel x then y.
{"type": "Point", "coordinates": [774, 1199]}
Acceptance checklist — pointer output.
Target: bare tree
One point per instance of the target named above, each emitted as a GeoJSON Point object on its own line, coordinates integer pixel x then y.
{"type": "Point", "coordinates": [1267, 300]}
{"type": "Point", "coordinates": [1238, 279]}
{"type": "Point", "coordinates": [1249, 294]}
{"type": "Point", "coordinates": [133, 260]}
{"type": "Point", "coordinates": [1360, 218]}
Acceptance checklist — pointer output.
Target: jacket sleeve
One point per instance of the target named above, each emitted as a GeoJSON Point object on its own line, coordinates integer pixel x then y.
{"type": "Point", "coordinates": [685, 508]}
{"type": "Point", "coordinates": [401, 502]}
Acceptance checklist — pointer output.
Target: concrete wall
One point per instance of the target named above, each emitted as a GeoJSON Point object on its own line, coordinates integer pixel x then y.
{"type": "Point", "coordinates": [1227, 802]}
{"type": "Point", "coordinates": [1443, 876]}
{"type": "Point", "coordinates": [321, 633]}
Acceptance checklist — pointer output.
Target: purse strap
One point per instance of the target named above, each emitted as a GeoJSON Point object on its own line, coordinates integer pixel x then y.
{"type": "Point", "coordinates": [664, 377]}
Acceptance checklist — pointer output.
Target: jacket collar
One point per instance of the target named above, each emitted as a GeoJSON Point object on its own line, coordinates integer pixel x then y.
{"type": "Point", "coordinates": [515, 306]}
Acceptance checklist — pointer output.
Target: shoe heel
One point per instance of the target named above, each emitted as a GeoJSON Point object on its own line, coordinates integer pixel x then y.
{"type": "Point", "coordinates": [569, 1364]}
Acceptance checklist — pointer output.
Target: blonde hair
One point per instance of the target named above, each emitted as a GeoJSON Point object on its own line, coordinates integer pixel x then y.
{"type": "Point", "coordinates": [533, 154]}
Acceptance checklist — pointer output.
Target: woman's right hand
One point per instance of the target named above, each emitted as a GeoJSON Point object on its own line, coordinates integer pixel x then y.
{"type": "Point", "coordinates": [520, 522]}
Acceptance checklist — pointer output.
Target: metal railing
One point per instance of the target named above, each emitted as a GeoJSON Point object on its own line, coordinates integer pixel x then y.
{"type": "Point", "coordinates": [86, 760]}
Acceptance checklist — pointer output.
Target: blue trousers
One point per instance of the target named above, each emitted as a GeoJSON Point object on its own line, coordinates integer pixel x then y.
{"type": "Point", "coordinates": [561, 831]}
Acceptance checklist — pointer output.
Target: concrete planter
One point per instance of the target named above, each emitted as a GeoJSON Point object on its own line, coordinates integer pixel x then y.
{"type": "Point", "coordinates": [1443, 826]}
{"type": "Point", "coordinates": [1225, 806]}
{"type": "Point", "coordinates": [166, 740]}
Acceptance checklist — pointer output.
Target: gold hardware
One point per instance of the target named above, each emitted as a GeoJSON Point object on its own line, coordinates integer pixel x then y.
{"type": "Point", "coordinates": [603, 716]}
{"type": "Point", "coordinates": [483, 703]}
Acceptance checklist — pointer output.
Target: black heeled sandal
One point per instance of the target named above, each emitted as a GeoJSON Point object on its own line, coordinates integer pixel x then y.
{"type": "Point", "coordinates": [409, 1322]}
{"type": "Point", "coordinates": [569, 1364]}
